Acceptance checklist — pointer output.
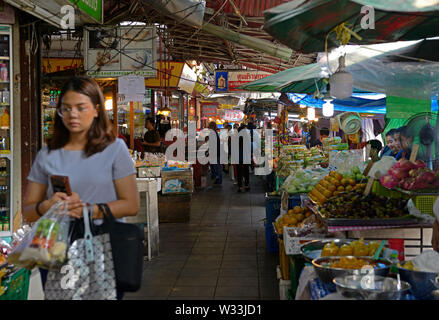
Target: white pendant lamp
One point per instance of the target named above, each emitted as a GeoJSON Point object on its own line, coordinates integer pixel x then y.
{"type": "Point", "coordinates": [328, 109]}
{"type": "Point", "coordinates": [311, 114]}
{"type": "Point", "coordinates": [341, 83]}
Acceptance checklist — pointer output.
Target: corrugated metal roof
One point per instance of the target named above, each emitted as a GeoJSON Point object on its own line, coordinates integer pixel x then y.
{"type": "Point", "coordinates": [249, 8]}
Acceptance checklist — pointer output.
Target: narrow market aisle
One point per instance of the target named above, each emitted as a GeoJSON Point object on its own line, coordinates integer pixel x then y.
{"type": "Point", "coordinates": [221, 254]}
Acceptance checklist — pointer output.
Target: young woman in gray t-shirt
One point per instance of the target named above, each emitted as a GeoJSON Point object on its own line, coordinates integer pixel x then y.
{"type": "Point", "coordinates": [84, 148]}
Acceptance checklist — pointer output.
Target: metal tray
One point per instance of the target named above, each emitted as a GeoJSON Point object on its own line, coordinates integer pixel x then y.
{"type": "Point", "coordinates": [407, 220]}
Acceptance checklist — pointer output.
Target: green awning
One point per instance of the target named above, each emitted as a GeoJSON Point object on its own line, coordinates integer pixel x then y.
{"type": "Point", "coordinates": [303, 25]}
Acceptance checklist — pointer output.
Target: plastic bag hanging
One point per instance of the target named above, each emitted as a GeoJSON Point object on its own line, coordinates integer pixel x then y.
{"type": "Point", "coordinates": [46, 246]}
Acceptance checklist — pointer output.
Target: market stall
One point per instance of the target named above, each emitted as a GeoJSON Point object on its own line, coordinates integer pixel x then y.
{"type": "Point", "coordinates": [315, 237]}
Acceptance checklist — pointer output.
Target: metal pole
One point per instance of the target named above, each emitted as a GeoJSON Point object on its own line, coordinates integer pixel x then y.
{"type": "Point", "coordinates": [131, 125]}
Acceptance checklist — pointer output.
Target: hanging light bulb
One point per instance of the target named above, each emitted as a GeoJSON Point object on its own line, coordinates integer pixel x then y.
{"type": "Point", "coordinates": [302, 106]}
{"type": "Point", "coordinates": [328, 109]}
{"type": "Point", "coordinates": [311, 114]}
{"type": "Point", "coordinates": [341, 82]}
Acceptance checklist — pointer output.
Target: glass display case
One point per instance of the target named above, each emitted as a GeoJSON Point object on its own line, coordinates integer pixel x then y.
{"type": "Point", "coordinates": [6, 147]}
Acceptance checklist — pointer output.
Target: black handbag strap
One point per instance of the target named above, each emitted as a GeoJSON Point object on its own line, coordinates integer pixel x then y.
{"type": "Point", "coordinates": [108, 215]}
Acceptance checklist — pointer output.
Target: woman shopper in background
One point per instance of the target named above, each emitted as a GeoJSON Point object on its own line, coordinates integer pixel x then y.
{"type": "Point", "coordinates": [215, 168]}
{"type": "Point", "coordinates": [243, 167]}
{"type": "Point", "coordinates": [84, 148]}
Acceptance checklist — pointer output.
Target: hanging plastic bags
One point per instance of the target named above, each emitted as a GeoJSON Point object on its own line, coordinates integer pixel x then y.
{"type": "Point", "coordinates": [46, 246]}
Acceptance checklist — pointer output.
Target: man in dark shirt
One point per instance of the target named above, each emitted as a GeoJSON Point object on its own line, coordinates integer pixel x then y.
{"type": "Point", "coordinates": [324, 133]}
{"type": "Point", "coordinates": [151, 140]}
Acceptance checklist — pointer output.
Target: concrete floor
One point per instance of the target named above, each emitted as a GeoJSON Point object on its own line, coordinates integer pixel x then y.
{"type": "Point", "coordinates": [220, 254]}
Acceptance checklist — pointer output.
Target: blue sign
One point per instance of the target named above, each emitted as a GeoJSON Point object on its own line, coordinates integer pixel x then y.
{"type": "Point", "coordinates": [221, 81]}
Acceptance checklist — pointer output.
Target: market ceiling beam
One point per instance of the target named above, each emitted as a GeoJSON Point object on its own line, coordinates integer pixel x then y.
{"type": "Point", "coordinates": [250, 42]}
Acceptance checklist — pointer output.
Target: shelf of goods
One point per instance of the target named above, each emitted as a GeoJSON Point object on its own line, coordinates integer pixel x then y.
{"type": "Point", "coordinates": [7, 209]}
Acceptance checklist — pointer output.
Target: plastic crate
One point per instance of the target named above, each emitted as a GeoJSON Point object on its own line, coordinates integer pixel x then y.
{"type": "Point", "coordinates": [271, 239]}
{"type": "Point", "coordinates": [425, 203]}
{"type": "Point", "coordinates": [272, 208]}
{"type": "Point", "coordinates": [273, 205]}
{"type": "Point", "coordinates": [294, 201]}
{"type": "Point", "coordinates": [17, 284]}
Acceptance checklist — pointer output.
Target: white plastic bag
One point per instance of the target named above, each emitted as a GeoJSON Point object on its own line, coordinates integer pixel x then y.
{"type": "Point", "coordinates": [46, 245]}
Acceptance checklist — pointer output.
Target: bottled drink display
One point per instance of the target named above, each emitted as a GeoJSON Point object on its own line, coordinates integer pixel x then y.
{"type": "Point", "coordinates": [4, 72]}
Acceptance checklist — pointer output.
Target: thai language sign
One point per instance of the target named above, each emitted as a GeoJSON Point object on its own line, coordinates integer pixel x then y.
{"type": "Point", "coordinates": [209, 111]}
{"type": "Point", "coordinates": [232, 115]}
{"type": "Point", "coordinates": [226, 81]}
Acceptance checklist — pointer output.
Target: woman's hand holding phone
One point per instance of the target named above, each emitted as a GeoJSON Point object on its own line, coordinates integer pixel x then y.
{"type": "Point", "coordinates": [75, 204]}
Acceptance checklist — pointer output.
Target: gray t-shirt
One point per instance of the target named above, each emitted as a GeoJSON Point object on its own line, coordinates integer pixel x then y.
{"type": "Point", "coordinates": [92, 178]}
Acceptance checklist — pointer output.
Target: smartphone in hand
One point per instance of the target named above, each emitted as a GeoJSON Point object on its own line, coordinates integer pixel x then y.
{"type": "Point", "coordinates": [61, 184]}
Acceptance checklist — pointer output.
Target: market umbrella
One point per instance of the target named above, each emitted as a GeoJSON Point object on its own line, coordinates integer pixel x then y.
{"type": "Point", "coordinates": [303, 25]}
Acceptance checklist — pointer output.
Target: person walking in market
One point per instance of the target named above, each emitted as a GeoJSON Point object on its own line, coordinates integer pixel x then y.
{"type": "Point", "coordinates": [83, 148]}
{"type": "Point", "coordinates": [215, 168]}
{"type": "Point", "coordinates": [243, 166]}
{"type": "Point", "coordinates": [233, 132]}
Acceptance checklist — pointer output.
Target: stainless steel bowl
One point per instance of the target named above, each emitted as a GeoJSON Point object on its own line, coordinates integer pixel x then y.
{"type": "Point", "coordinates": [371, 287]}
{"type": "Point", "coordinates": [326, 274]}
{"type": "Point", "coordinates": [423, 283]}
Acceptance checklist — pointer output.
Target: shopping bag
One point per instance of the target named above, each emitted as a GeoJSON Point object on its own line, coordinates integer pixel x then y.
{"type": "Point", "coordinates": [127, 246]}
{"type": "Point", "coordinates": [88, 273]}
{"type": "Point", "coordinates": [46, 245]}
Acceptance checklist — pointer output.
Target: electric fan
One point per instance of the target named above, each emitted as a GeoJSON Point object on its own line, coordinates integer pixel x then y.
{"type": "Point", "coordinates": [349, 122]}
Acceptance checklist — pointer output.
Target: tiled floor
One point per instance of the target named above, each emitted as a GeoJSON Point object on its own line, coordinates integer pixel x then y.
{"type": "Point", "coordinates": [220, 254]}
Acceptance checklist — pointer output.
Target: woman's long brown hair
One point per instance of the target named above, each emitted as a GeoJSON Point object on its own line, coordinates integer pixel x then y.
{"type": "Point", "coordinates": [100, 134]}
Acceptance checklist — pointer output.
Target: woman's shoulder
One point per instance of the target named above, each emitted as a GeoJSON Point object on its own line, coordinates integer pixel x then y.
{"type": "Point", "coordinates": [117, 145]}
{"type": "Point", "coordinates": [44, 152]}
